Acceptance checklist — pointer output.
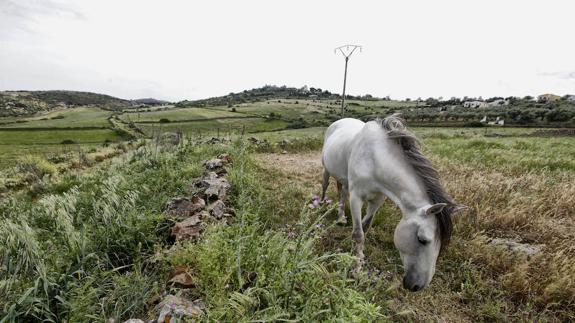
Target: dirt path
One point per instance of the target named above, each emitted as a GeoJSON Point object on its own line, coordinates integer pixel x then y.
{"type": "Point", "coordinates": [305, 167]}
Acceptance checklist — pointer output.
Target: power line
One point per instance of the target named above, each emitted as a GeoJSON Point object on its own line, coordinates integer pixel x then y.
{"type": "Point", "coordinates": [346, 51]}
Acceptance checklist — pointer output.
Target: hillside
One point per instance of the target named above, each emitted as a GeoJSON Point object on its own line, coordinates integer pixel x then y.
{"type": "Point", "coordinates": [267, 92]}
{"type": "Point", "coordinates": [20, 103]}
{"type": "Point", "coordinates": [150, 101]}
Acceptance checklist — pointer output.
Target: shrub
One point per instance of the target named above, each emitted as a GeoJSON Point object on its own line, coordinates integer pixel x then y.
{"type": "Point", "coordinates": [164, 120]}
{"type": "Point", "coordinates": [67, 142]}
{"type": "Point", "coordinates": [36, 167]}
{"type": "Point", "coordinates": [474, 124]}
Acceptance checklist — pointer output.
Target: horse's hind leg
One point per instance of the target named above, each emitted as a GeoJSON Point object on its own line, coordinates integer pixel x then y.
{"type": "Point", "coordinates": [342, 192]}
{"type": "Point", "coordinates": [372, 207]}
{"type": "Point", "coordinates": [324, 184]}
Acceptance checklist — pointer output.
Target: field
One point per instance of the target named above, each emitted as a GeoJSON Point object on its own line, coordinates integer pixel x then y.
{"type": "Point", "coordinates": [507, 182]}
{"type": "Point", "coordinates": [106, 234]}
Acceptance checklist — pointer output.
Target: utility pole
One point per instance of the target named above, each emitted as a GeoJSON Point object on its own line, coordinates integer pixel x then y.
{"type": "Point", "coordinates": [346, 52]}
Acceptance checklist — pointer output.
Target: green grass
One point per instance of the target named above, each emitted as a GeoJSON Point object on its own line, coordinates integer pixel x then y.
{"type": "Point", "coordinates": [25, 137]}
{"type": "Point", "coordinates": [175, 115]}
{"type": "Point", "coordinates": [16, 144]}
{"type": "Point", "coordinates": [68, 118]}
{"type": "Point", "coordinates": [210, 127]}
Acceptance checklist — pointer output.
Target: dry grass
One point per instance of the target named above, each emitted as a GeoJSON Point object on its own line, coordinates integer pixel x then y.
{"type": "Point", "coordinates": [475, 280]}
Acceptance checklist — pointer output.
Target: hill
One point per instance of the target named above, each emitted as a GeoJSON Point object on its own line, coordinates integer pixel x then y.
{"type": "Point", "coordinates": [267, 92]}
{"type": "Point", "coordinates": [150, 101]}
{"type": "Point", "coordinates": [18, 103]}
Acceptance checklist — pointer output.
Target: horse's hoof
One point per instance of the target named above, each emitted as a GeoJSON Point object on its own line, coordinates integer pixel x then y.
{"type": "Point", "coordinates": [355, 272]}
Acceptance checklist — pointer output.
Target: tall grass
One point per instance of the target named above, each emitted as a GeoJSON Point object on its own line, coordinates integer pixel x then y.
{"type": "Point", "coordinates": [246, 272]}
{"type": "Point", "coordinates": [100, 231]}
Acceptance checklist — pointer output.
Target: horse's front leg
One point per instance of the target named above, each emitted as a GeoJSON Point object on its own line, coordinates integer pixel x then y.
{"type": "Point", "coordinates": [357, 235]}
{"type": "Point", "coordinates": [372, 207]}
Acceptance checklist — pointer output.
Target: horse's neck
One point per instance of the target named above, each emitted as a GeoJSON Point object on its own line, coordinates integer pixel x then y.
{"type": "Point", "coordinates": [401, 181]}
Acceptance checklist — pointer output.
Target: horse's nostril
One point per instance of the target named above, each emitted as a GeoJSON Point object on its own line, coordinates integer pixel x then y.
{"type": "Point", "coordinates": [409, 285]}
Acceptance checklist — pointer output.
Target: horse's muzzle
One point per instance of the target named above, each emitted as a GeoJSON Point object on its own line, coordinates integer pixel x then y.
{"type": "Point", "coordinates": [411, 283]}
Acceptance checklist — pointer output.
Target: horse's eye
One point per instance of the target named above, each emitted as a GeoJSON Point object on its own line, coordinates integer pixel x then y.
{"type": "Point", "coordinates": [423, 242]}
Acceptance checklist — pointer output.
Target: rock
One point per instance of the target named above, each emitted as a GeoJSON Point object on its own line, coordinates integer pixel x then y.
{"type": "Point", "coordinates": [284, 143]}
{"type": "Point", "coordinates": [180, 277]}
{"type": "Point", "coordinates": [214, 163]}
{"type": "Point", "coordinates": [178, 308]}
{"type": "Point", "coordinates": [216, 187]}
{"type": "Point", "coordinates": [225, 158]}
{"type": "Point", "coordinates": [189, 228]}
{"type": "Point", "coordinates": [214, 141]}
{"type": "Point", "coordinates": [217, 209]}
{"type": "Point", "coordinates": [183, 280]}
{"type": "Point", "coordinates": [177, 270]}
{"type": "Point", "coordinates": [134, 321]}
{"type": "Point", "coordinates": [515, 246]}
{"type": "Point", "coordinates": [184, 207]}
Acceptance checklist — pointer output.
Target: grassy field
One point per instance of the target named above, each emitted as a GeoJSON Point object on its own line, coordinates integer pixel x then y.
{"type": "Point", "coordinates": [68, 118]}
{"type": "Point", "coordinates": [175, 115]}
{"type": "Point", "coordinates": [16, 144]}
{"type": "Point", "coordinates": [116, 257]}
{"type": "Point", "coordinates": [518, 189]}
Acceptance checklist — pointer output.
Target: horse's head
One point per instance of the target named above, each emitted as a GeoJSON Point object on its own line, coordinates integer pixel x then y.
{"type": "Point", "coordinates": [417, 239]}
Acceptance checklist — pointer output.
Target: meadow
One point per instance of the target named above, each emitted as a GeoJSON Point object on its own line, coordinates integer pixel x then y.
{"type": "Point", "coordinates": [90, 242]}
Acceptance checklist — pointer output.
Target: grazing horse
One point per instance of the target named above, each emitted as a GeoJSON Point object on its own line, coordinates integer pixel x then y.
{"type": "Point", "coordinates": [379, 159]}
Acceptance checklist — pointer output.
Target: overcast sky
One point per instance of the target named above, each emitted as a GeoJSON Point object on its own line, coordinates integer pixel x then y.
{"type": "Point", "coordinates": [179, 50]}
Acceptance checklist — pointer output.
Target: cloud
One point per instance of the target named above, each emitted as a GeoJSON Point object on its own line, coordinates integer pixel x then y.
{"type": "Point", "coordinates": [562, 75]}
{"type": "Point", "coordinates": [17, 15]}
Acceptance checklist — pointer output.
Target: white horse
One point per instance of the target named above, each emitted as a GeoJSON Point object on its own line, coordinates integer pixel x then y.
{"type": "Point", "coordinates": [381, 158]}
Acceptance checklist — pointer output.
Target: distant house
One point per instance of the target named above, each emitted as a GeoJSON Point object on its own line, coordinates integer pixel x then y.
{"type": "Point", "coordinates": [475, 104]}
{"type": "Point", "coordinates": [313, 96]}
{"type": "Point", "coordinates": [547, 97]}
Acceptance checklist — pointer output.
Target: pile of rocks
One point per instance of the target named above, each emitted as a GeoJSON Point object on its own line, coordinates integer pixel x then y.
{"type": "Point", "coordinates": [206, 202]}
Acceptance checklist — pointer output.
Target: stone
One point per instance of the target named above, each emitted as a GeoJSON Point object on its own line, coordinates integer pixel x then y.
{"type": "Point", "coordinates": [134, 321]}
{"type": "Point", "coordinates": [225, 158]}
{"type": "Point", "coordinates": [216, 187]}
{"type": "Point", "coordinates": [179, 309]}
{"type": "Point", "coordinates": [180, 277]}
{"type": "Point", "coordinates": [187, 229]}
{"type": "Point", "coordinates": [214, 163]}
{"type": "Point", "coordinates": [515, 246]}
{"type": "Point", "coordinates": [184, 207]}
{"type": "Point", "coordinates": [217, 209]}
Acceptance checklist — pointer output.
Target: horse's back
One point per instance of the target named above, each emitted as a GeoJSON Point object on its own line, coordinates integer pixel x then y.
{"type": "Point", "coordinates": [337, 145]}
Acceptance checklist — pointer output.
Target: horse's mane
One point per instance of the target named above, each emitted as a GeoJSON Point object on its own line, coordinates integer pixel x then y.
{"type": "Point", "coordinates": [396, 130]}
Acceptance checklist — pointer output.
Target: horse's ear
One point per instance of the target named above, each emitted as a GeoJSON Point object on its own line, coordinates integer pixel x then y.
{"type": "Point", "coordinates": [435, 208]}
{"type": "Point", "coordinates": [459, 208]}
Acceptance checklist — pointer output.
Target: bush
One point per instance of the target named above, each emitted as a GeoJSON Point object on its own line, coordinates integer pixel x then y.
{"type": "Point", "coordinates": [67, 142]}
{"type": "Point", "coordinates": [35, 167]}
{"type": "Point", "coordinates": [164, 120]}
{"type": "Point", "coordinates": [474, 124]}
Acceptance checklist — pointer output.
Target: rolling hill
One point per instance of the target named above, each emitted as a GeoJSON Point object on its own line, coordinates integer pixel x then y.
{"type": "Point", "coordinates": [19, 103]}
